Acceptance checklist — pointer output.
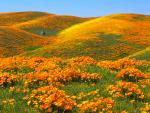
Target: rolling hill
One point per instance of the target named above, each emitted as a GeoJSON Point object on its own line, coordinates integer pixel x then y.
{"type": "Point", "coordinates": [50, 24]}
{"type": "Point", "coordinates": [14, 41]}
{"type": "Point", "coordinates": [89, 77]}
{"type": "Point", "coordinates": [20, 31]}
{"type": "Point", "coordinates": [109, 37]}
{"type": "Point", "coordinates": [7, 19]}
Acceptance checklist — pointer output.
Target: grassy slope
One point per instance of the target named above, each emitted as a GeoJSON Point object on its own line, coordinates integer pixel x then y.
{"type": "Point", "coordinates": [142, 55]}
{"type": "Point", "coordinates": [7, 19]}
{"type": "Point", "coordinates": [14, 41]}
{"type": "Point", "coordinates": [50, 24]}
{"type": "Point", "coordinates": [109, 37]}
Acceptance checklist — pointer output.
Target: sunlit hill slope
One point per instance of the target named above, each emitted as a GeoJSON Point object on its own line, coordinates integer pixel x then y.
{"type": "Point", "coordinates": [26, 31]}
{"type": "Point", "coordinates": [142, 55]}
{"type": "Point", "coordinates": [7, 19]}
{"type": "Point", "coordinates": [14, 41]}
{"type": "Point", "coordinates": [50, 24]}
{"type": "Point", "coordinates": [109, 37]}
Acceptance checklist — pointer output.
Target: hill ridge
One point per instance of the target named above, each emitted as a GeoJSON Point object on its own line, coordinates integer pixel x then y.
{"type": "Point", "coordinates": [11, 18]}
{"type": "Point", "coordinates": [109, 37]}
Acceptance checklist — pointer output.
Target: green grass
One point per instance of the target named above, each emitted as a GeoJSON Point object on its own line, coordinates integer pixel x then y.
{"type": "Point", "coordinates": [142, 55]}
{"type": "Point", "coordinates": [108, 78]}
{"type": "Point", "coordinates": [39, 31]}
{"type": "Point", "coordinates": [31, 48]}
{"type": "Point", "coordinates": [75, 88]}
{"type": "Point", "coordinates": [72, 88]}
{"type": "Point", "coordinates": [106, 47]}
{"type": "Point", "coordinates": [19, 106]}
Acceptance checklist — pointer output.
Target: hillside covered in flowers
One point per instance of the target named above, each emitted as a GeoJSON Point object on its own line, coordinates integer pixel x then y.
{"type": "Point", "coordinates": [76, 85]}
{"type": "Point", "coordinates": [108, 37]}
{"type": "Point", "coordinates": [26, 31]}
{"type": "Point", "coordinates": [66, 64]}
{"type": "Point", "coordinates": [42, 34]}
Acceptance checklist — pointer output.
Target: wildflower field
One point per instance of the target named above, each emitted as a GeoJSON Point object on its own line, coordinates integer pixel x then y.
{"type": "Point", "coordinates": [77, 85]}
{"type": "Point", "coordinates": [66, 64]}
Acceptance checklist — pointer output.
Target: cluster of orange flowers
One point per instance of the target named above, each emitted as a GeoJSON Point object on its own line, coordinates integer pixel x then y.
{"type": "Point", "coordinates": [96, 105]}
{"type": "Point", "coordinates": [83, 95]}
{"type": "Point", "coordinates": [144, 82]}
{"type": "Point", "coordinates": [49, 98]}
{"type": "Point", "coordinates": [46, 76]}
{"type": "Point", "coordinates": [95, 102]}
{"type": "Point", "coordinates": [146, 108]}
{"type": "Point", "coordinates": [80, 61]}
{"type": "Point", "coordinates": [48, 73]}
{"type": "Point", "coordinates": [131, 74]}
{"type": "Point", "coordinates": [59, 77]}
{"type": "Point", "coordinates": [31, 62]}
{"type": "Point", "coordinates": [121, 64]}
{"type": "Point", "coordinates": [8, 101]}
{"type": "Point", "coordinates": [7, 79]}
{"type": "Point", "coordinates": [126, 89]}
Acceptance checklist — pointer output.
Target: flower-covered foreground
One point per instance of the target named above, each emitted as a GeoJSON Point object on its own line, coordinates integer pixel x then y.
{"type": "Point", "coordinates": [77, 85]}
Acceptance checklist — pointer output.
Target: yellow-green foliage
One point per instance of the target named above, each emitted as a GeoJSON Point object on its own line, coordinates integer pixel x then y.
{"type": "Point", "coordinates": [109, 37]}
{"type": "Point", "coordinates": [121, 24]}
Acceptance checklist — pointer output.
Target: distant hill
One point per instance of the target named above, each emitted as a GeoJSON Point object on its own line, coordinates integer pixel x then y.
{"type": "Point", "coordinates": [7, 19]}
{"type": "Point", "coordinates": [109, 37]}
{"type": "Point", "coordinates": [50, 24]}
{"type": "Point", "coordinates": [43, 34]}
{"type": "Point", "coordinates": [21, 31]}
{"type": "Point", "coordinates": [14, 41]}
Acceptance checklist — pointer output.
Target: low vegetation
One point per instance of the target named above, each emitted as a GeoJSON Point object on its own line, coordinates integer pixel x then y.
{"type": "Point", "coordinates": [14, 41]}
{"type": "Point", "coordinates": [106, 38]}
{"type": "Point", "coordinates": [66, 64]}
{"type": "Point", "coordinates": [80, 84]}
{"type": "Point", "coordinates": [50, 24]}
{"type": "Point", "coordinates": [9, 19]}
{"type": "Point", "coordinates": [142, 55]}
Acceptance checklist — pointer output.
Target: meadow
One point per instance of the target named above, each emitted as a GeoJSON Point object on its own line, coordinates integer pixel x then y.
{"type": "Point", "coordinates": [76, 85]}
{"type": "Point", "coordinates": [65, 64]}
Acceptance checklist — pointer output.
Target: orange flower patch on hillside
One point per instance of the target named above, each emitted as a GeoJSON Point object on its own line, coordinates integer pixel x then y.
{"type": "Point", "coordinates": [126, 89]}
{"type": "Point", "coordinates": [80, 84]}
{"type": "Point", "coordinates": [131, 74]}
